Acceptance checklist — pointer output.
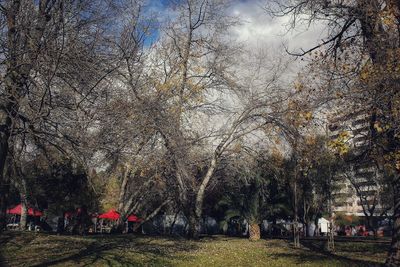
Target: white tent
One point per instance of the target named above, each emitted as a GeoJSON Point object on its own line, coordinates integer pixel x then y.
{"type": "Point", "coordinates": [323, 225]}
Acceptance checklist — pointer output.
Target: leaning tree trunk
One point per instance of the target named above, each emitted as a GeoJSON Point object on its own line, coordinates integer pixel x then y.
{"type": "Point", "coordinates": [195, 217]}
{"type": "Point", "coordinates": [153, 214]}
{"type": "Point", "coordinates": [394, 252]}
{"type": "Point", "coordinates": [254, 231]}
{"type": "Point", "coordinates": [171, 229]}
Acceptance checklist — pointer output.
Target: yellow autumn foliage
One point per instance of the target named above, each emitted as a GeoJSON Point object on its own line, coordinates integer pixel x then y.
{"type": "Point", "coordinates": [298, 86]}
{"type": "Point", "coordinates": [340, 144]}
{"type": "Point", "coordinates": [377, 127]}
{"type": "Point", "coordinates": [308, 116]}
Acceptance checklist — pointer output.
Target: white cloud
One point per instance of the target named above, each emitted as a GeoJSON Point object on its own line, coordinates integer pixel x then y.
{"type": "Point", "coordinates": [258, 28]}
{"type": "Point", "coordinates": [259, 31]}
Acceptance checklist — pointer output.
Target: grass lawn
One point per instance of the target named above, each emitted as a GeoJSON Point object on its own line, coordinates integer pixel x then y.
{"type": "Point", "coordinates": [38, 249]}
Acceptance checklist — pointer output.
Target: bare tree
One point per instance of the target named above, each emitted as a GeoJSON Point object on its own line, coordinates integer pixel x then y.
{"type": "Point", "coordinates": [182, 93]}
{"type": "Point", "coordinates": [52, 64]}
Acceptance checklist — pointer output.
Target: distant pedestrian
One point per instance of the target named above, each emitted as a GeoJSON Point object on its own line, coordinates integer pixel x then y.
{"type": "Point", "coordinates": [353, 231]}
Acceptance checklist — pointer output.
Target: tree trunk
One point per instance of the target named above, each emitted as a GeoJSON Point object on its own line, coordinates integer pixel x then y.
{"type": "Point", "coordinates": [307, 230]}
{"type": "Point", "coordinates": [171, 230]}
{"type": "Point", "coordinates": [194, 219]}
{"type": "Point", "coordinates": [274, 230]}
{"type": "Point", "coordinates": [316, 230]}
{"type": "Point", "coordinates": [296, 236]}
{"type": "Point", "coordinates": [194, 227]}
{"type": "Point", "coordinates": [24, 211]}
{"type": "Point", "coordinates": [4, 136]}
{"type": "Point", "coordinates": [3, 203]}
{"type": "Point", "coordinates": [394, 252]}
{"type": "Point", "coordinates": [254, 232]}
{"type": "Point", "coordinates": [123, 188]}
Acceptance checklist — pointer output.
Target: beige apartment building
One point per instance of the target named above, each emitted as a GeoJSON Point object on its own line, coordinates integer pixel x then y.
{"type": "Point", "coordinates": [358, 185]}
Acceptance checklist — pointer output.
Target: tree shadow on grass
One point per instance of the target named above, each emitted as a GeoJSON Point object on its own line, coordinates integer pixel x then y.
{"type": "Point", "coordinates": [125, 251]}
{"type": "Point", "coordinates": [5, 237]}
{"type": "Point", "coordinates": [91, 254]}
{"type": "Point", "coordinates": [313, 252]}
{"type": "Point", "coordinates": [319, 247]}
{"type": "Point", "coordinates": [11, 242]}
{"type": "Point", "coordinates": [15, 239]}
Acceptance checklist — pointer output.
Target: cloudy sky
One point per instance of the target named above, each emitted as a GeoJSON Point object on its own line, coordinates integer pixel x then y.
{"type": "Point", "coordinates": [257, 29]}
{"type": "Point", "coordinates": [261, 29]}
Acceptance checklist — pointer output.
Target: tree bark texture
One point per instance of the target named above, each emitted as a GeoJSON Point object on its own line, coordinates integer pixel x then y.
{"type": "Point", "coordinates": [254, 232]}
{"type": "Point", "coordinates": [4, 136]}
{"type": "Point", "coordinates": [24, 205]}
{"type": "Point", "coordinates": [194, 226]}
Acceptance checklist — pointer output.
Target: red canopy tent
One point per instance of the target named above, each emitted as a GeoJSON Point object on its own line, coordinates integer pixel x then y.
{"type": "Point", "coordinates": [110, 215]}
{"type": "Point", "coordinates": [31, 211]}
{"type": "Point", "coordinates": [133, 218]}
{"type": "Point", "coordinates": [114, 215]}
